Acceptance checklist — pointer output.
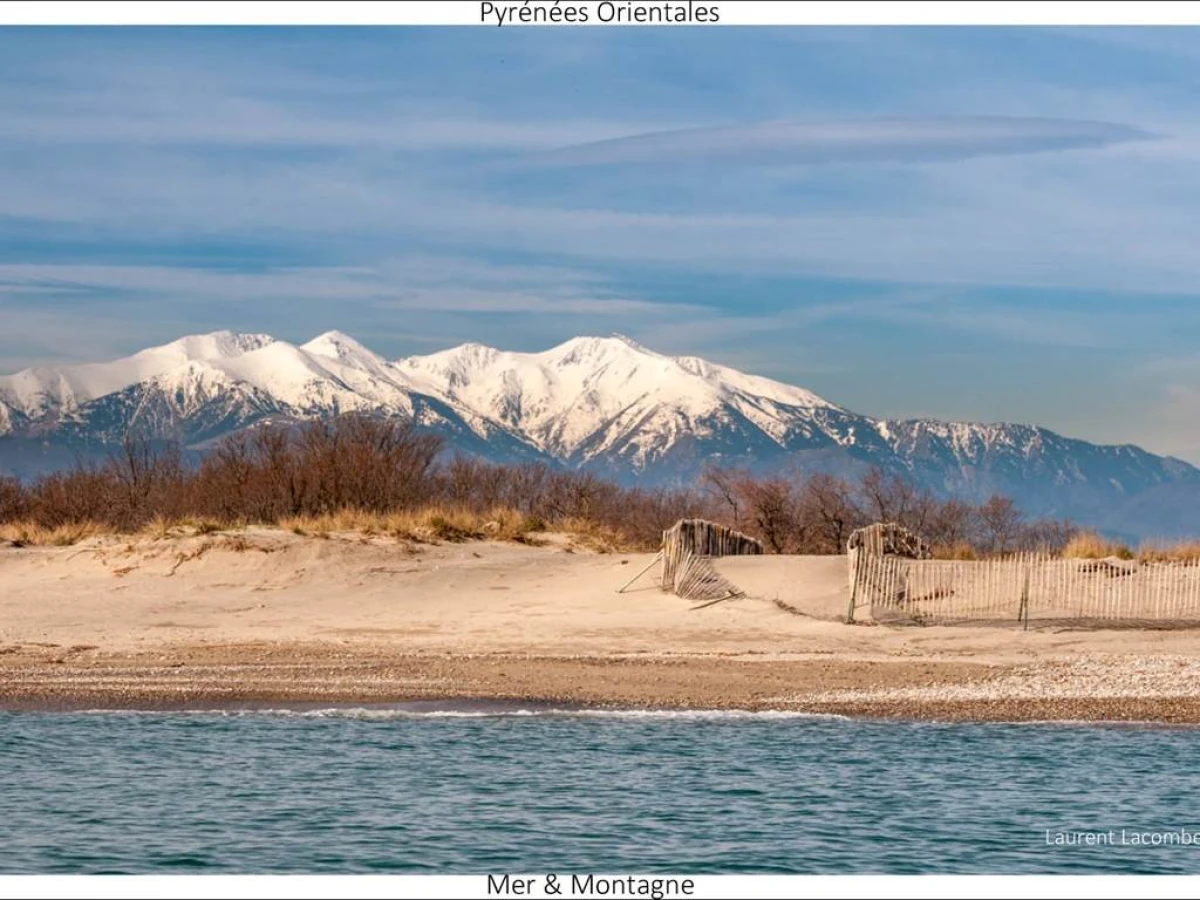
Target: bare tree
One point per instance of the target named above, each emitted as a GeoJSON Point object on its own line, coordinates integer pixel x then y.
{"type": "Point", "coordinates": [379, 465]}
{"type": "Point", "coordinates": [1000, 523]}
{"type": "Point", "coordinates": [951, 524]}
{"type": "Point", "coordinates": [1046, 535]}
{"type": "Point", "coordinates": [888, 498]}
{"type": "Point", "coordinates": [772, 506]}
{"type": "Point", "coordinates": [829, 512]}
{"type": "Point", "coordinates": [725, 486]}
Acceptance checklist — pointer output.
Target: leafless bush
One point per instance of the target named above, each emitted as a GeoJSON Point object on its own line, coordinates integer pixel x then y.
{"type": "Point", "coordinates": [831, 510]}
{"type": "Point", "coordinates": [774, 513]}
{"type": "Point", "coordinates": [390, 476]}
{"type": "Point", "coordinates": [14, 500]}
{"type": "Point", "coordinates": [1047, 535]}
{"type": "Point", "coordinates": [952, 524]}
{"type": "Point", "coordinates": [815, 514]}
{"type": "Point", "coordinates": [1000, 524]}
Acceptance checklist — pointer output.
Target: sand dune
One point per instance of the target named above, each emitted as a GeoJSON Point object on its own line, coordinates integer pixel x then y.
{"type": "Point", "coordinates": [475, 597]}
{"type": "Point", "coordinates": [267, 614]}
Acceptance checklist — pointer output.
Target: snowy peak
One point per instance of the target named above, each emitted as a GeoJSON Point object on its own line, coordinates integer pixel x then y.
{"type": "Point", "coordinates": [456, 366]}
{"type": "Point", "coordinates": [345, 349]}
{"type": "Point", "coordinates": [41, 391]}
{"type": "Point", "coordinates": [590, 350]}
{"type": "Point", "coordinates": [216, 345]}
{"type": "Point", "coordinates": [586, 396]}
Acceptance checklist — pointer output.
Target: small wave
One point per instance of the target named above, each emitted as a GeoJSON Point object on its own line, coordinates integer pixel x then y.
{"type": "Point", "coordinates": [394, 713]}
{"type": "Point", "coordinates": [369, 714]}
{"type": "Point", "coordinates": [1132, 724]}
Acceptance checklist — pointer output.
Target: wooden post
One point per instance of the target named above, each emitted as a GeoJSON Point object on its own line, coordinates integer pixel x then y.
{"type": "Point", "coordinates": [855, 563]}
{"type": "Point", "coordinates": [658, 556]}
{"type": "Point", "coordinates": [1023, 611]}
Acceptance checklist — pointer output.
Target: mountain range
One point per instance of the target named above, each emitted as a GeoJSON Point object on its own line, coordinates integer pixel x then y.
{"type": "Point", "coordinates": [602, 403]}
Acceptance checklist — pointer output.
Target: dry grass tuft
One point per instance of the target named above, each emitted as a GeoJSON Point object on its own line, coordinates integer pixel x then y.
{"type": "Point", "coordinates": [160, 527]}
{"type": "Point", "coordinates": [961, 551]}
{"type": "Point", "coordinates": [1090, 545]}
{"type": "Point", "coordinates": [31, 534]}
{"type": "Point", "coordinates": [431, 525]}
{"type": "Point", "coordinates": [1182, 551]}
{"type": "Point", "coordinates": [593, 536]}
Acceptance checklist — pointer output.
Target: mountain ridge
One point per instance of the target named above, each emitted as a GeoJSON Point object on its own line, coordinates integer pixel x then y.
{"type": "Point", "coordinates": [602, 403]}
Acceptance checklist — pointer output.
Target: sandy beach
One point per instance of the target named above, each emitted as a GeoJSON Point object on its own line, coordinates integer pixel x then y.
{"type": "Point", "coordinates": [269, 618]}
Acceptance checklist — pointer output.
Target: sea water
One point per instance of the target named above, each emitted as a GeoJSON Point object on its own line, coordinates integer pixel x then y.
{"type": "Point", "coordinates": [501, 789]}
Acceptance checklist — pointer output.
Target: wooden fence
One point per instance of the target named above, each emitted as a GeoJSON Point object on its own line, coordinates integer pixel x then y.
{"type": "Point", "coordinates": [1023, 588]}
{"type": "Point", "coordinates": [687, 551]}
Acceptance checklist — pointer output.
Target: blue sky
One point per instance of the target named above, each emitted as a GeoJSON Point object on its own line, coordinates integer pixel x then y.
{"type": "Point", "coordinates": [985, 224]}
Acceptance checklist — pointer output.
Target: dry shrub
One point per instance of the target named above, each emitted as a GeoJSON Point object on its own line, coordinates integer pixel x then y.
{"type": "Point", "coordinates": [354, 474]}
{"type": "Point", "coordinates": [447, 530]}
{"type": "Point", "coordinates": [370, 476]}
{"type": "Point", "coordinates": [1091, 545]}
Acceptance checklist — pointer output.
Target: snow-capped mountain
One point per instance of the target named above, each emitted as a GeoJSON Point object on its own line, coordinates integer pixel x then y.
{"type": "Point", "coordinates": [592, 399]}
{"type": "Point", "coordinates": [605, 403]}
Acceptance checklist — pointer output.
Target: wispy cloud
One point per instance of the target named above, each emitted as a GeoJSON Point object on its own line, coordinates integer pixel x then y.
{"type": "Point", "coordinates": [856, 140]}
{"type": "Point", "coordinates": [423, 283]}
{"type": "Point", "coordinates": [240, 122]}
{"type": "Point", "coordinates": [699, 190]}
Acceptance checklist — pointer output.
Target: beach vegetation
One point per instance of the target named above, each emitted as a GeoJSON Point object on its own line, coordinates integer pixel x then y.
{"type": "Point", "coordinates": [1093, 545]}
{"type": "Point", "coordinates": [384, 478]}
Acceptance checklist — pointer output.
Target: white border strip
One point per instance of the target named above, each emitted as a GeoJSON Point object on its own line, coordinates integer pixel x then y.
{"type": "Point", "coordinates": [715, 887]}
{"type": "Point", "coordinates": [471, 12]}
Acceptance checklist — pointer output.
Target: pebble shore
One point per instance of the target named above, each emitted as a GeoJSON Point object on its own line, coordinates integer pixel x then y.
{"type": "Point", "coordinates": [1119, 688]}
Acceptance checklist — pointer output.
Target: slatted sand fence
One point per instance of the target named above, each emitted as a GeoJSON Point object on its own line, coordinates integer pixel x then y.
{"type": "Point", "coordinates": [1025, 587]}
{"type": "Point", "coordinates": [688, 549]}
{"type": "Point", "coordinates": [877, 576]}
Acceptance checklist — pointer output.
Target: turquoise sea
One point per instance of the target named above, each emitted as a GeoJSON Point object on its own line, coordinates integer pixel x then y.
{"type": "Point", "coordinates": [499, 789]}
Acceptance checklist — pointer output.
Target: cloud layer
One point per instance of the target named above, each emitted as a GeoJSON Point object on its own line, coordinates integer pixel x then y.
{"type": "Point", "coordinates": [848, 140]}
{"type": "Point", "coordinates": [971, 223]}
